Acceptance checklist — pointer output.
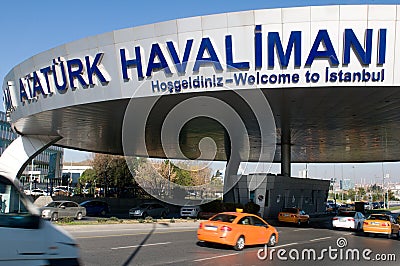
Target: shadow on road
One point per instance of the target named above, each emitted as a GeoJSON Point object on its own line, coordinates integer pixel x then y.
{"type": "Point", "coordinates": [133, 255]}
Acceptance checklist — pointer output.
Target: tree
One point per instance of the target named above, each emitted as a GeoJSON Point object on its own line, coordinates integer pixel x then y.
{"type": "Point", "coordinates": [88, 177]}
{"type": "Point", "coordinates": [151, 180]}
{"type": "Point", "coordinates": [112, 172]}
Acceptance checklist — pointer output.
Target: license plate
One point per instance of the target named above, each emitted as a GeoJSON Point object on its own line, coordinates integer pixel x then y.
{"type": "Point", "coordinates": [342, 219]}
{"type": "Point", "coordinates": [375, 223]}
{"type": "Point", "coordinates": [286, 215]}
{"type": "Point", "coordinates": [210, 228]}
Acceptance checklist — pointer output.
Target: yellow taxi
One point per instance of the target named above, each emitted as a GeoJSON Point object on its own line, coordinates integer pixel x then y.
{"type": "Point", "coordinates": [381, 224]}
{"type": "Point", "coordinates": [237, 229]}
{"type": "Point", "coordinates": [293, 215]}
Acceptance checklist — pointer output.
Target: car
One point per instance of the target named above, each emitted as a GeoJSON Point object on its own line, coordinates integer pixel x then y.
{"type": "Point", "coordinates": [376, 205]}
{"type": "Point", "coordinates": [60, 209]}
{"type": "Point", "coordinates": [237, 229]}
{"type": "Point", "coordinates": [149, 209]}
{"type": "Point", "coordinates": [96, 207]}
{"type": "Point", "coordinates": [380, 223]}
{"type": "Point", "coordinates": [35, 192]}
{"type": "Point", "coordinates": [190, 211]}
{"type": "Point", "coordinates": [348, 219]}
{"type": "Point", "coordinates": [293, 215]}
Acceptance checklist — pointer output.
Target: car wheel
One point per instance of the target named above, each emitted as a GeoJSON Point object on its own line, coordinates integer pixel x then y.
{"type": "Point", "coordinates": [299, 222]}
{"type": "Point", "coordinates": [54, 216]}
{"type": "Point", "coordinates": [144, 215]}
{"type": "Point", "coordinates": [389, 236]}
{"type": "Point", "coordinates": [79, 216]}
{"type": "Point", "coordinates": [272, 241]}
{"type": "Point", "coordinates": [366, 234]}
{"type": "Point", "coordinates": [239, 244]}
{"type": "Point", "coordinates": [103, 213]}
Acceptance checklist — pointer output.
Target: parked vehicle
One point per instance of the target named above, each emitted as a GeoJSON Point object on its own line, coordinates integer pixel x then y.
{"type": "Point", "coordinates": [348, 219]}
{"type": "Point", "coordinates": [26, 239]}
{"type": "Point", "coordinates": [35, 192]}
{"type": "Point", "coordinates": [379, 223]}
{"type": "Point", "coordinates": [293, 215]}
{"type": "Point", "coordinates": [60, 209]}
{"type": "Point", "coordinates": [190, 211]}
{"type": "Point", "coordinates": [96, 207]}
{"type": "Point", "coordinates": [149, 209]}
{"type": "Point", "coordinates": [237, 230]}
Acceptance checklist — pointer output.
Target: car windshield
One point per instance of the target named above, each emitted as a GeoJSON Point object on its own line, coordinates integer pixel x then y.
{"type": "Point", "coordinates": [227, 218]}
{"type": "Point", "coordinates": [53, 204]}
{"type": "Point", "coordinates": [144, 206]}
{"type": "Point", "coordinates": [346, 214]}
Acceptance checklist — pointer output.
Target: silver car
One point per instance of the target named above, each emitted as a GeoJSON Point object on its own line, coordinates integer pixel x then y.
{"type": "Point", "coordinates": [60, 209]}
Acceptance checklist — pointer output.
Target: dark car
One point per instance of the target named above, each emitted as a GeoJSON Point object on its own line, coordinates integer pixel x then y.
{"type": "Point", "coordinates": [96, 207]}
{"type": "Point", "coordinates": [149, 209]}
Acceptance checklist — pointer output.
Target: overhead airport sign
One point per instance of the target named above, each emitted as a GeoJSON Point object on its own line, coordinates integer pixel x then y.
{"type": "Point", "coordinates": [259, 55]}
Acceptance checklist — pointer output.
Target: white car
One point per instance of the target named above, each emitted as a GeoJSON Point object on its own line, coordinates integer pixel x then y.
{"type": "Point", "coordinates": [37, 192]}
{"type": "Point", "coordinates": [349, 220]}
{"type": "Point", "coordinates": [190, 211]}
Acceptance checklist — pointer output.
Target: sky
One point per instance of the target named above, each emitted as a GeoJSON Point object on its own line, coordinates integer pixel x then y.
{"type": "Point", "coordinates": [30, 27]}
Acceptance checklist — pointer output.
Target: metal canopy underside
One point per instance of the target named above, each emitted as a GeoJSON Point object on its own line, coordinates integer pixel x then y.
{"type": "Point", "coordinates": [329, 124]}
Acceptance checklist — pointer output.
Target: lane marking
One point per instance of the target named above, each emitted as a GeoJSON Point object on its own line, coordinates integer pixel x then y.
{"type": "Point", "coordinates": [322, 238]}
{"type": "Point", "coordinates": [133, 229]}
{"type": "Point", "coordinates": [216, 257]}
{"type": "Point", "coordinates": [145, 245]}
{"type": "Point", "coordinates": [137, 234]}
{"type": "Point", "coordinates": [285, 245]}
{"type": "Point", "coordinates": [303, 229]}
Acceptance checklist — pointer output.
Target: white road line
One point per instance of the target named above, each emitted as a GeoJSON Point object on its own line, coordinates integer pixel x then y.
{"type": "Point", "coordinates": [216, 257]}
{"type": "Point", "coordinates": [136, 229]}
{"type": "Point", "coordinates": [322, 238]}
{"type": "Point", "coordinates": [303, 229]}
{"type": "Point", "coordinates": [285, 245]}
{"type": "Point", "coordinates": [145, 245]}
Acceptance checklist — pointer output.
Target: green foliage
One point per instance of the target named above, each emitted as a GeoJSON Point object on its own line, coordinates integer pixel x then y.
{"type": "Point", "coordinates": [251, 207]}
{"type": "Point", "coordinates": [66, 220]}
{"type": "Point", "coordinates": [172, 220]}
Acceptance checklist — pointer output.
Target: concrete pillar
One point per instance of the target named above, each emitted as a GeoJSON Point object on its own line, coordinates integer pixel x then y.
{"type": "Point", "coordinates": [19, 153]}
{"type": "Point", "coordinates": [232, 167]}
{"type": "Point", "coordinates": [285, 151]}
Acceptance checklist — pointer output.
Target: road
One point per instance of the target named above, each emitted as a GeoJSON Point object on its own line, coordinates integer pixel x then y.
{"type": "Point", "coordinates": [176, 244]}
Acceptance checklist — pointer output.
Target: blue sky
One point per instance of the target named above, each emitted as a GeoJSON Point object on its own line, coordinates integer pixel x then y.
{"type": "Point", "coordinates": [30, 27]}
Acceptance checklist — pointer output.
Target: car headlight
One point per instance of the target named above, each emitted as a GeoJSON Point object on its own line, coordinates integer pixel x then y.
{"type": "Point", "coordinates": [45, 212]}
{"type": "Point", "coordinates": [137, 212]}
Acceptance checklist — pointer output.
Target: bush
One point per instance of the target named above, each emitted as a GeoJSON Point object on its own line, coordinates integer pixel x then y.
{"type": "Point", "coordinates": [141, 221]}
{"type": "Point", "coordinates": [66, 219]}
{"type": "Point", "coordinates": [172, 220]}
{"type": "Point", "coordinates": [251, 207]}
{"type": "Point", "coordinates": [101, 220]}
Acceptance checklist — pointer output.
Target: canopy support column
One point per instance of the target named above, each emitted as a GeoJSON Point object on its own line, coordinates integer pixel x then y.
{"type": "Point", "coordinates": [21, 151]}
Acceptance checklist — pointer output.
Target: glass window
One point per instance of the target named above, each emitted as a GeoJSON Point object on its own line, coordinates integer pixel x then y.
{"type": "Point", "coordinates": [246, 220]}
{"type": "Point", "coordinates": [257, 221]}
{"type": "Point", "coordinates": [13, 211]}
{"type": "Point", "coordinates": [227, 218]}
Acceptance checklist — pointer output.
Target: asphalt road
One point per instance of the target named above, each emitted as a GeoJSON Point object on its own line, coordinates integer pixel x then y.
{"type": "Point", "coordinates": [176, 244]}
